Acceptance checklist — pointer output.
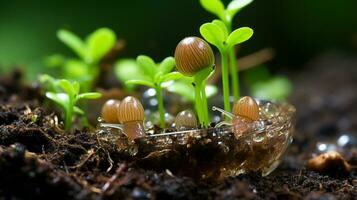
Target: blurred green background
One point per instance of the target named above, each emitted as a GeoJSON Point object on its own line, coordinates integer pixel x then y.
{"type": "Point", "coordinates": [297, 29]}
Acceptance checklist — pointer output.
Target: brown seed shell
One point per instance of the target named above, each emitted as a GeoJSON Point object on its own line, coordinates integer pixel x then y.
{"type": "Point", "coordinates": [130, 109]}
{"type": "Point", "coordinates": [110, 111]}
{"type": "Point", "coordinates": [186, 119]}
{"type": "Point", "coordinates": [193, 54]}
{"type": "Point", "coordinates": [246, 107]}
{"type": "Point", "coordinates": [330, 163]}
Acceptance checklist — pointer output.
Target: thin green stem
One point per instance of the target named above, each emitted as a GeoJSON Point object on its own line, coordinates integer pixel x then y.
{"type": "Point", "coordinates": [225, 82]}
{"type": "Point", "coordinates": [234, 74]}
{"type": "Point", "coordinates": [198, 102]}
{"type": "Point", "coordinates": [161, 109]}
{"type": "Point", "coordinates": [204, 103]}
{"type": "Point", "coordinates": [68, 116]}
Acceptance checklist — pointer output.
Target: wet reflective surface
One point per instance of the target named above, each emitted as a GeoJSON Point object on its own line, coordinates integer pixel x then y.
{"type": "Point", "coordinates": [216, 152]}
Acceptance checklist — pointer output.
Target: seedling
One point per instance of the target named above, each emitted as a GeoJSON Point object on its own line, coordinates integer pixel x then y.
{"type": "Point", "coordinates": [227, 14]}
{"type": "Point", "coordinates": [194, 58]}
{"type": "Point", "coordinates": [131, 115]}
{"type": "Point", "coordinates": [90, 51]}
{"type": "Point", "coordinates": [156, 77]}
{"type": "Point", "coordinates": [217, 34]}
{"type": "Point", "coordinates": [68, 98]}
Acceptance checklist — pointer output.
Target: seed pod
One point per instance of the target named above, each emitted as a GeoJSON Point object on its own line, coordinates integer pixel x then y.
{"type": "Point", "coordinates": [110, 111]}
{"type": "Point", "coordinates": [186, 119]}
{"type": "Point", "coordinates": [130, 109]}
{"type": "Point", "coordinates": [246, 107]}
{"type": "Point", "coordinates": [193, 54]}
{"type": "Point", "coordinates": [131, 115]}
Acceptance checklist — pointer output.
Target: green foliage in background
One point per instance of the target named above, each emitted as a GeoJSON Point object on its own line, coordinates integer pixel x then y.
{"type": "Point", "coordinates": [262, 84]}
{"type": "Point", "coordinates": [217, 34]}
{"type": "Point", "coordinates": [85, 68]}
{"type": "Point", "coordinates": [66, 94]}
{"type": "Point", "coordinates": [226, 15]}
{"type": "Point", "coordinates": [156, 75]}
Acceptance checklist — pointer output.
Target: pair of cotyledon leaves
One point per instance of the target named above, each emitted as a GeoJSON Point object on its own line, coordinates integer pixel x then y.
{"type": "Point", "coordinates": [217, 34]}
{"type": "Point", "coordinates": [217, 8]}
{"type": "Point", "coordinates": [155, 74]}
{"type": "Point", "coordinates": [93, 48]}
{"type": "Point", "coordinates": [70, 95]}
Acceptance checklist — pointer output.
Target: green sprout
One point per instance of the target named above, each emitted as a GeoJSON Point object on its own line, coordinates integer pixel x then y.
{"type": "Point", "coordinates": [90, 52]}
{"type": "Point", "coordinates": [156, 77]}
{"type": "Point", "coordinates": [227, 14]}
{"type": "Point", "coordinates": [217, 34]}
{"type": "Point", "coordinates": [67, 97]}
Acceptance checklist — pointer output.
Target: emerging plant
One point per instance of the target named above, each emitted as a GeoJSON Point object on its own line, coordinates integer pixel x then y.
{"type": "Point", "coordinates": [156, 75]}
{"type": "Point", "coordinates": [227, 14]}
{"type": "Point", "coordinates": [90, 52]}
{"type": "Point", "coordinates": [131, 115]}
{"type": "Point", "coordinates": [68, 97]}
{"type": "Point", "coordinates": [217, 34]}
{"type": "Point", "coordinates": [194, 58]}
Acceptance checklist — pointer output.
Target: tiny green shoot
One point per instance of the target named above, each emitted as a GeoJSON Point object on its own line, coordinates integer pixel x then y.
{"type": "Point", "coordinates": [156, 75]}
{"type": "Point", "coordinates": [217, 34]}
{"type": "Point", "coordinates": [68, 97]}
{"type": "Point", "coordinates": [227, 14]}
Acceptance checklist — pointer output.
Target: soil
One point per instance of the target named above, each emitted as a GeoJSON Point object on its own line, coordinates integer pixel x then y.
{"type": "Point", "coordinates": [40, 161]}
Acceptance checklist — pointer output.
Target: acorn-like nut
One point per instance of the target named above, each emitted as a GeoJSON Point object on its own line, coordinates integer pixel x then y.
{"type": "Point", "coordinates": [130, 109]}
{"type": "Point", "coordinates": [110, 111]}
{"type": "Point", "coordinates": [193, 54]}
{"type": "Point", "coordinates": [246, 107]}
{"type": "Point", "coordinates": [186, 119]}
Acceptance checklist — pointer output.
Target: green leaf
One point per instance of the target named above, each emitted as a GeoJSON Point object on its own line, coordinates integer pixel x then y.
{"type": "Point", "coordinates": [239, 35]}
{"type": "Point", "coordinates": [75, 69]}
{"type": "Point", "coordinates": [222, 26]}
{"type": "Point", "coordinates": [213, 34]}
{"type": "Point", "coordinates": [60, 98]}
{"type": "Point", "coordinates": [89, 95]}
{"type": "Point", "coordinates": [99, 44]}
{"type": "Point", "coordinates": [167, 65]}
{"type": "Point", "coordinates": [171, 76]}
{"type": "Point", "coordinates": [76, 87]}
{"type": "Point", "coordinates": [54, 61]}
{"type": "Point", "coordinates": [141, 82]}
{"type": "Point", "coordinates": [72, 41]}
{"type": "Point", "coordinates": [78, 110]}
{"type": "Point", "coordinates": [236, 5]}
{"type": "Point", "coordinates": [215, 7]}
{"type": "Point", "coordinates": [147, 65]}
{"type": "Point", "coordinates": [128, 69]}
{"type": "Point", "coordinates": [277, 88]}
{"type": "Point", "coordinates": [67, 87]}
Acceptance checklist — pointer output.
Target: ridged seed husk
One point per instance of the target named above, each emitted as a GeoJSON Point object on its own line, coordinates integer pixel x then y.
{"type": "Point", "coordinates": [193, 54]}
{"type": "Point", "coordinates": [130, 109]}
{"type": "Point", "coordinates": [246, 107]}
